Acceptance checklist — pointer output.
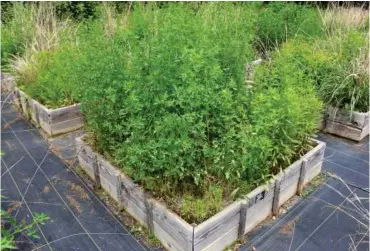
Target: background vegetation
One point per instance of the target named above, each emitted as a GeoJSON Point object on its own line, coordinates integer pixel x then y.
{"type": "Point", "coordinates": [164, 89]}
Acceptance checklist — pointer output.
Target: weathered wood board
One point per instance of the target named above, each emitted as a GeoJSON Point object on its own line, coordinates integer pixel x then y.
{"type": "Point", "coordinates": [260, 202]}
{"type": "Point", "coordinates": [314, 160]}
{"type": "Point", "coordinates": [171, 230]}
{"type": "Point", "coordinates": [355, 119]}
{"type": "Point", "coordinates": [52, 121]}
{"type": "Point", "coordinates": [217, 228]}
{"type": "Point", "coordinates": [347, 124]}
{"type": "Point", "coordinates": [289, 182]}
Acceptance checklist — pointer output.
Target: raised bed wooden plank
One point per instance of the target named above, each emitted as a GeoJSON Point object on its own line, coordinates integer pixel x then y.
{"type": "Point", "coordinates": [354, 119]}
{"type": "Point", "coordinates": [65, 113]}
{"type": "Point", "coordinates": [171, 230]}
{"type": "Point", "coordinates": [17, 98]}
{"type": "Point", "coordinates": [107, 171]}
{"type": "Point", "coordinates": [25, 104]}
{"type": "Point", "coordinates": [131, 191]}
{"type": "Point", "coordinates": [260, 202]}
{"type": "Point", "coordinates": [224, 241]}
{"type": "Point", "coordinates": [289, 183]}
{"type": "Point", "coordinates": [34, 107]}
{"type": "Point", "coordinates": [52, 121]}
{"type": "Point", "coordinates": [86, 155]}
{"type": "Point", "coordinates": [314, 161]}
{"type": "Point", "coordinates": [312, 173]}
{"type": "Point", "coordinates": [88, 169]}
{"type": "Point", "coordinates": [43, 113]}
{"type": "Point", "coordinates": [134, 210]}
{"type": "Point", "coordinates": [66, 126]}
{"type": "Point", "coordinates": [316, 155]}
{"type": "Point", "coordinates": [302, 177]}
{"type": "Point", "coordinates": [217, 227]}
{"type": "Point", "coordinates": [110, 188]}
{"type": "Point", "coordinates": [365, 131]}
{"type": "Point", "coordinates": [56, 113]}
{"type": "Point", "coordinates": [109, 177]}
{"type": "Point", "coordinates": [343, 130]}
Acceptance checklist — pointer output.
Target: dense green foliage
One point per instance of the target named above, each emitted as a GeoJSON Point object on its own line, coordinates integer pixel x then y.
{"type": "Point", "coordinates": [280, 21]}
{"type": "Point", "coordinates": [166, 99]}
{"type": "Point", "coordinates": [164, 94]}
{"type": "Point", "coordinates": [16, 34]}
{"type": "Point", "coordinates": [182, 105]}
{"type": "Point", "coordinates": [338, 65]}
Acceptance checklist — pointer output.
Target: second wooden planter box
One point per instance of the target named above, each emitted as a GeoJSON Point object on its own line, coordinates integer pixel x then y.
{"type": "Point", "coordinates": [347, 124]}
{"type": "Point", "coordinates": [217, 232]}
{"type": "Point", "coordinates": [52, 121]}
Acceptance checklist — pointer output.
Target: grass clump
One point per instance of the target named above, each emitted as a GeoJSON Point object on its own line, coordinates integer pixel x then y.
{"type": "Point", "coordinates": [338, 65]}
{"type": "Point", "coordinates": [281, 21]}
{"type": "Point", "coordinates": [16, 33]}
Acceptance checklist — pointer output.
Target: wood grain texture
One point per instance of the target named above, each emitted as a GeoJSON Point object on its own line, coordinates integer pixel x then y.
{"type": "Point", "coordinates": [43, 113]}
{"type": "Point", "coordinates": [133, 209]}
{"type": "Point", "coordinates": [86, 167]}
{"type": "Point", "coordinates": [59, 112]}
{"type": "Point", "coordinates": [224, 241]}
{"type": "Point", "coordinates": [355, 119]}
{"type": "Point", "coordinates": [65, 113]}
{"type": "Point", "coordinates": [52, 121]}
{"type": "Point", "coordinates": [133, 192]}
{"type": "Point", "coordinates": [25, 104]}
{"type": "Point", "coordinates": [107, 171]}
{"type": "Point", "coordinates": [276, 199]}
{"type": "Point", "coordinates": [259, 207]}
{"type": "Point", "coordinates": [178, 233]}
{"type": "Point", "coordinates": [289, 182]}
{"type": "Point", "coordinates": [86, 157]}
{"type": "Point", "coordinates": [243, 217]}
{"type": "Point", "coordinates": [217, 226]}
{"type": "Point", "coordinates": [17, 98]}
{"type": "Point", "coordinates": [66, 126]}
{"type": "Point", "coordinates": [302, 177]}
{"type": "Point", "coordinates": [346, 131]}
{"type": "Point", "coordinates": [312, 173]}
{"type": "Point", "coordinates": [314, 161]}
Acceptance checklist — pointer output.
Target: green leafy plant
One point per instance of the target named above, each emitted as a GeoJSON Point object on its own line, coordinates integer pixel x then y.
{"type": "Point", "coordinates": [338, 65]}
{"type": "Point", "coordinates": [168, 104]}
{"type": "Point", "coordinates": [16, 33]}
{"type": "Point", "coordinates": [281, 21]}
{"type": "Point", "coordinates": [11, 229]}
{"type": "Point", "coordinates": [164, 94]}
{"type": "Point", "coordinates": [195, 209]}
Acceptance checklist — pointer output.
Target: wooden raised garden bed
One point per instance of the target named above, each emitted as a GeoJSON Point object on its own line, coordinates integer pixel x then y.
{"type": "Point", "coordinates": [52, 121]}
{"type": "Point", "coordinates": [347, 124]}
{"type": "Point", "coordinates": [218, 231]}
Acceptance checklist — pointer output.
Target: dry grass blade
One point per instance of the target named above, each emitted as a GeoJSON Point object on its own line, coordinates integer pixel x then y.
{"type": "Point", "coordinates": [45, 35]}
{"type": "Point", "coordinates": [343, 17]}
{"type": "Point", "coordinates": [355, 209]}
